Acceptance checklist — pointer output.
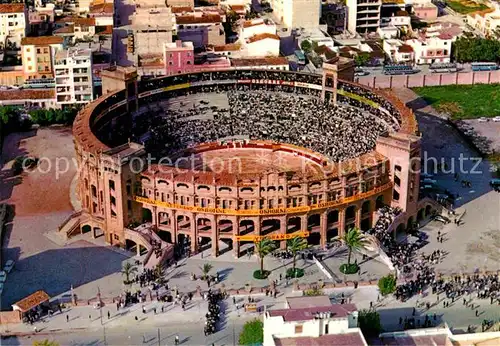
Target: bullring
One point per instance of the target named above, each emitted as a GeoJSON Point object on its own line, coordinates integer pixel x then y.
{"type": "Point", "coordinates": [280, 187]}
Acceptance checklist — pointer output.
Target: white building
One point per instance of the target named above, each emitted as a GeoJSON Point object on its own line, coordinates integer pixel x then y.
{"type": "Point", "coordinates": [486, 21]}
{"type": "Point", "coordinates": [430, 50]}
{"type": "Point", "coordinates": [297, 13]}
{"type": "Point", "coordinates": [398, 51]}
{"type": "Point", "coordinates": [259, 26]}
{"type": "Point", "coordinates": [363, 15]}
{"type": "Point", "coordinates": [312, 321]}
{"type": "Point", "coordinates": [262, 45]}
{"type": "Point", "coordinates": [13, 24]}
{"type": "Point", "coordinates": [73, 73]}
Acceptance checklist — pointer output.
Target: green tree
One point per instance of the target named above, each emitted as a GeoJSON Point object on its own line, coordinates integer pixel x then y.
{"type": "Point", "coordinates": [306, 46]}
{"type": "Point", "coordinates": [387, 284]}
{"type": "Point", "coordinates": [311, 292]}
{"type": "Point", "coordinates": [127, 270]}
{"type": "Point", "coordinates": [362, 59]}
{"type": "Point", "coordinates": [469, 48]}
{"type": "Point", "coordinates": [369, 323]}
{"type": "Point", "coordinates": [354, 240]}
{"type": "Point", "coordinates": [252, 333]}
{"type": "Point", "coordinates": [295, 245]}
{"type": "Point", "coordinates": [45, 342]}
{"type": "Point", "coordinates": [263, 248]}
{"type": "Point", "coordinates": [207, 267]}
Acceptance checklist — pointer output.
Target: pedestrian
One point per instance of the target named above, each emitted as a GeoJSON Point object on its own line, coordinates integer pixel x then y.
{"type": "Point", "coordinates": [281, 276]}
{"type": "Point", "coordinates": [36, 330]}
{"type": "Point", "coordinates": [67, 318]}
{"type": "Point", "coordinates": [135, 317]}
{"type": "Point", "coordinates": [177, 339]}
{"type": "Point", "coordinates": [109, 315]}
{"type": "Point", "coordinates": [400, 320]}
{"type": "Point", "coordinates": [477, 313]}
{"type": "Point", "coordinates": [413, 312]}
{"type": "Point", "coordinates": [154, 309]}
{"type": "Point", "coordinates": [162, 308]}
{"type": "Point", "coordinates": [234, 300]}
{"type": "Point", "coordinates": [143, 310]}
{"type": "Point", "coordinates": [434, 317]}
{"type": "Point", "coordinates": [371, 305]}
{"type": "Point", "coordinates": [90, 316]}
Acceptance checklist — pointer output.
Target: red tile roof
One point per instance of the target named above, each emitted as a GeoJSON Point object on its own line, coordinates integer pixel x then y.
{"type": "Point", "coordinates": [11, 8]}
{"type": "Point", "coordinates": [181, 9]}
{"type": "Point", "coordinates": [77, 20]}
{"type": "Point", "coordinates": [107, 8]}
{"type": "Point", "coordinates": [27, 94]}
{"type": "Point", "coordinates": [417, 340]}
{"type": "Point", "coordinates": [41, 40]}
{"type": "Point", "coordinates": [405, 49]}
{"type": "Point", "coordinates": [204, 19]}
{"type": "Point", "coordinates": [32, 301]}
{"type": "Point", "coordinates": [227, 47]}
{"type": "Point", "coordinates": [306, 314]}
{"type": "Point", "coordinates": [348, 339]}
{"type": "Point", "coordinates": [263, 36]}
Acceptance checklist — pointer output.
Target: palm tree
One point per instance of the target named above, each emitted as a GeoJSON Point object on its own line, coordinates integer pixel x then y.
{"type": "Point", "coordinates": [207, 267]}
{"type": "Point", "coordinates": [127, 270]}
{"type": "Point", "coordinates": [263, 248]}
{"type": "Point", "coordinates": [354, 240]}
{"type": "Point", "coordinates": [295, 245]}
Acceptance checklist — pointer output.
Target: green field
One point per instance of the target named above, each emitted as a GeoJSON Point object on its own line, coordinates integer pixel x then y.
{"type": "Point", "coordinates": [465, 7]}
{"type": "Point", "coordinates": [464, 101]}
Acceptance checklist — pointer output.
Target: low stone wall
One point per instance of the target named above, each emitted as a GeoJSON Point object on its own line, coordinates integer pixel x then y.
{"type": "Point", "coordinates": [10, 317]}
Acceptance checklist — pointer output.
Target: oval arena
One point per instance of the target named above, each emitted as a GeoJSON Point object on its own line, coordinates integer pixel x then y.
{"type": "Point", "coordinates": [228, 156]}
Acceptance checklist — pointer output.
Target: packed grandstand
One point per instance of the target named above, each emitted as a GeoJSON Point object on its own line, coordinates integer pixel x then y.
{"type": "Point", "coordinates": [279, 106]}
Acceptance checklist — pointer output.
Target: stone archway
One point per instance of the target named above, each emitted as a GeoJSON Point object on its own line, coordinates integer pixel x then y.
{"type": "Point", "coordinates": [183, 222]}
{"type": "Point", "coordinates": [420, 214]}
{"type": "Point", "coordinates": [163, 219]}
{"type": "Point", "coordinates": [350, 214]}
{"type": "Point", "coordinates": [225, 226]}
{"type": "Point", "coordinates": [246, 226]}
{"type": "Point", "coordinates": [270, 225]}
{"type": "Point", "coordinates": [86, 229]}
{"type": "Point", "coordinates": [365, 208]}
{"type": "Point", "coordinates": [379, 202]}
{"type": "Point", "coordinates": [313, 221]}
{"type": "Point", "coordinates": [293, 225]}
{"type": "Point", "coordinates": [98, 232]}
{"type": "Point", "coordinates": [409, 224]}
{"type": "Point", "coordinates": [147, 215]}
{"type": "Point", "coordinates": [203, 224]}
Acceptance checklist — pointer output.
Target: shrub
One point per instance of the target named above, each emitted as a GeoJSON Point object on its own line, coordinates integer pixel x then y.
{"type": "Point", "coordinates": [311, 292]}
{"type": "Point", "coordinates": [252, 333]}
{"type": "Point", "coordinates": [297, 274]}
{"type": "Point", "coordinates": [387, 285]}
{"type": "Point", "coordinates": [349, 268]}
{"type": "Point", "coordinates": [261, 275]}
{"type": "Point", "coordinates": [369, 323]}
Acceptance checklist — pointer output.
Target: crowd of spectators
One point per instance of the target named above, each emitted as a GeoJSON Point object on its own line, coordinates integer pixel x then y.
{"type": "Point", "coordinates": [266, 112]}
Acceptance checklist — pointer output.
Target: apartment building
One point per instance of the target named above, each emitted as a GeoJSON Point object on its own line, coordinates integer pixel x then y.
{"type": "Point", "coordinates": [41, 18]}
{"type": "Point", "coordinates": [201, 28]}
{"type": "Point", "coordinates": [74, 29]}
{"type": "Point", "coordinates": [399, 52]}
{"type": "Point", "coordinates": [37, 54]}
{"type": "Point", "coordinates": [73, 75]}
{"type": "Point", "coordinates": [13, 24]}
{"type": "Point", "coordinates": [430, 50]}
{"type": "Point", "coordinates": [363, 15]}
{"type": "Point", "coordinates": [487, 21]}
{"type": "Point", "coordinates": [297, 13]}
{"type": "Point", "coordinates": [312, 321]}
{"type": "Point", "coordinates": [178, 57]}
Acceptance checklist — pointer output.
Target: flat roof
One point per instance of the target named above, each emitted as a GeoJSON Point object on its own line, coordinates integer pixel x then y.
{"type": "Point", "coordinates": [308, 302]}
{"type": "Point", "coordinates": [347, 339]}
{"type": "Point", "coordinates": [306, 314]}
{"type": "Point", "coordinates": [41, 40]}
{"type": "Point", "coordinates": [260, 61]}
{"type": "Point", "coordinates": [31, 301]}
{"type": "Point", "coordinates": [27, 94]}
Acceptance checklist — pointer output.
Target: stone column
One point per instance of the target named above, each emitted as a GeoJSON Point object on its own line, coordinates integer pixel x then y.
{"type": "Point", "coordinates": [303, 223]}
{"type": "Point", "coordinates": [215, 237]}
{"type": "Point", "coordinates": [194, 235]}
{"type": "Point", "coordinates": [357, 219]}
{"type": "Point", "coordinates": [174, 226]}
{"type": "Point", "coordinates": [323, 229]}
{"type": "Point", "coordinates": [236, 232]}
{"type": "Point", "coordinates": [283, 227]}
{"type": "Point", "coordinates": [341, 222]}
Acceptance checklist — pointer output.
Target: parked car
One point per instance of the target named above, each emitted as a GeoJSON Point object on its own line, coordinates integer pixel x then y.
{"type": "Point", "coordinates": [359, 72]}
{"type": "Point", "coordinates": [3, 276]}
{"type": "Point", "coordinates": [496, 119]}
{"type": "Point", "coordinates": [9, 265]}
{"type": "Point", "coordinates": [483, 120]}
